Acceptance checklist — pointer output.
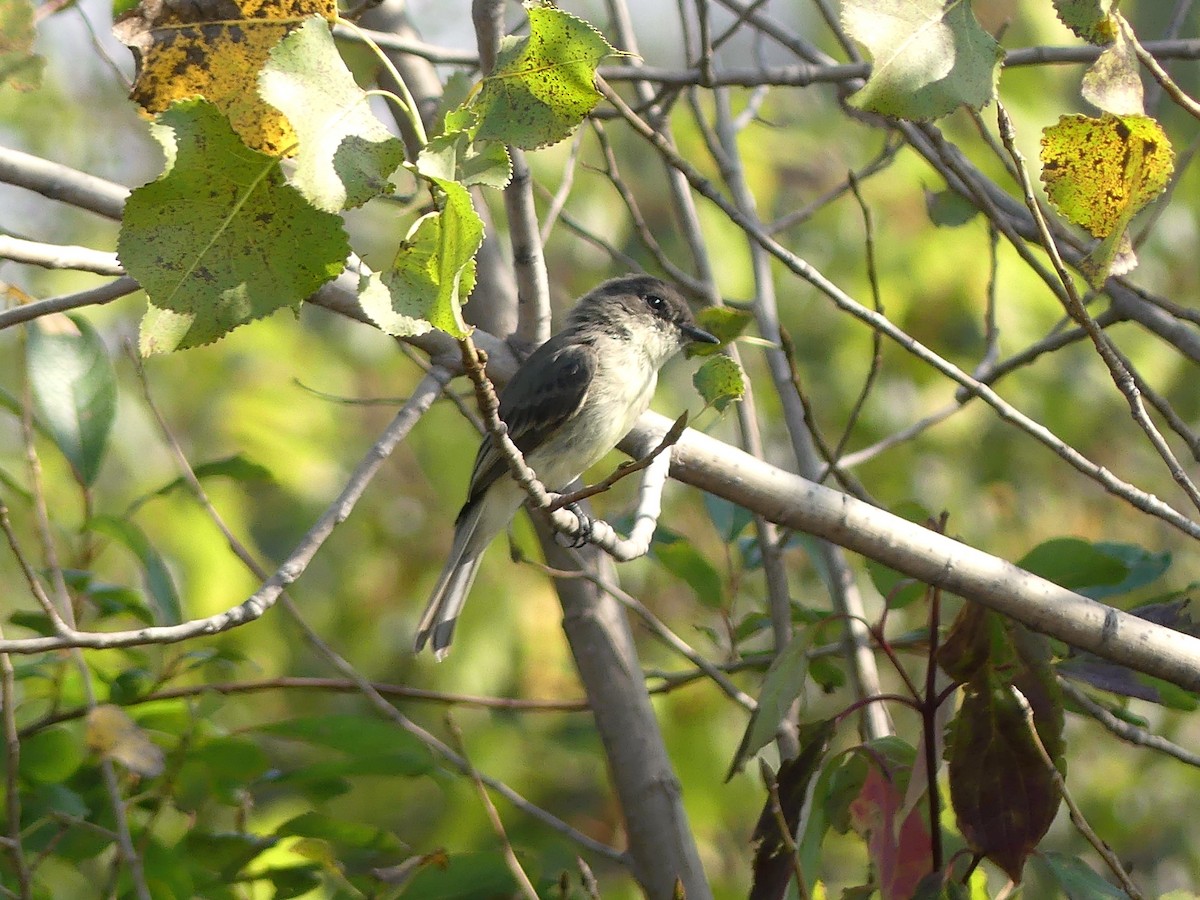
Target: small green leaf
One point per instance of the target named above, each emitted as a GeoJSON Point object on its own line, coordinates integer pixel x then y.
{"type": "Point", "coordinates": [456, 157]}
{"type": "Point", "coordinates": [729, 519]}
{"type": "Point", "coordinates": [51, 755]}
{"type": "Point", "coordinates": [159, 583]}
{"type": "Point", "coordinates": [543, 83]}
{"type": "Point", "coordinates": [345, 153]}
{"type": "Point", "coordinates": [433, 273]}
{"type": "Point", "coordinates": [1091, 20]}
{"type": "Point", "coordinates": [928, 57]}
{"type": "Point", "coordinates": [237, 467]}
{"type": "Point", "coordinates": [949, 209]}
{"type": "Point", "coordinates": [248, 245]}
{"type": "Point", "coordinates": [1076, 878]}
{"type": "Point", "coordinates": [458, 876]}
{"type": "Point", "coordinates": [781, 686]}
{"type": "Point", "coordinates": [225, 852]}
{"type": "Point", "coordinates": [74, 391]}
{"type": "Point", "coordinates": [720, 382]}
{"type": "Point", "coordinates": [355, 735]}
{"type": "Point", "coordinates": [724, 323]}
{"type": "Point", "coordinates": [684, 561]}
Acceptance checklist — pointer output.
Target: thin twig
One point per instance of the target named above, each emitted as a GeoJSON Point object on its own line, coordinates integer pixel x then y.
{"type": "Point", "coordinates": [1077, 817]}
{"type": "Point", "coordinates": [510, 856]}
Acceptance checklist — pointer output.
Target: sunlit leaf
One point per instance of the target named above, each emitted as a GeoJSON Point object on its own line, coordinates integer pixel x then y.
{"type": "Point", "coordinates": [215, 51]}
{"type": "Point", "coordinates": [345, 153]}
{"type": "Point", "coordinates": [433, 272]}
{"type": "Point", "coordinates": [720, 382]}
{"type": "Point", "coordinates": [928, 57]}
{"type": "Point", "coordinates": [1091, 20]}
{"type": "Point", "coordinates": [543, 83]}
{"type": "Point", "coordinates": [249, 244]}
{"type": "Point", "coordinates": [1113, 82]}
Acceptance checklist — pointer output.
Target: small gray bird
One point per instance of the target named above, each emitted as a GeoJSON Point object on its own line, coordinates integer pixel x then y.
{"type": "Point", "coordinates": [567, 405]}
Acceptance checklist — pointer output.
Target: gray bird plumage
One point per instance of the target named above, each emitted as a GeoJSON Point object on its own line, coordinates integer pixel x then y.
{"type": "Point", "coordinates": [568, 404]}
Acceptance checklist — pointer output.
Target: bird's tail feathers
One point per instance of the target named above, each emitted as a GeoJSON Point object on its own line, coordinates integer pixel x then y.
{"type": "Point", "coordinates": [453, 585]}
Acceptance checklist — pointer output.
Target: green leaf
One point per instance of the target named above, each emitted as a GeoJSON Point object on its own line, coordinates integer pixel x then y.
{"type": "Point", "coordinates": [356, 735]}
{"type": "Point", "coordinates": [1091, 20]}
{"type": "Point", "coordinates": [224, 853]}
{"type": "Point", "coordinates": [457, 157]}
{"type": "Point", "coordinates": [724, 323]}
{"type": "Point", "coordinates": [720, 382]}
{"type": "Point", "coordinates": [248, 245]}
{"type": "Point", "coordinates": [543, 83]}
{"type": "Point", "coordinates": [1076, 879]}
{"type": "Point", "coordinates": [345, 153]}
{"type": "Point", "coordinates": [773, 869]}
{"type": "Point", "coordinates": [74, 391]}
{"type": "Point", "coordinates": [684, 561]}
{"type": "Point", "coordinates": [159, 583]}
{"type": "Point", "coordinates": [237, 467]}
{"type": "Point", "coordinates": [293, 881]}
{"type": "Point", "coordinates": [728, 518]}
{"type": "Point", "coordinates": [929, 57]}
{"type": "Point", "coordinates": [51, 755]}
{"type": "Point", "coordinates": [463, 876]}
{"type": "Point", "coordinates": [339, 832]}
{"type": "Point", "coordinates": [433, 273]}
{"type": "Point", "coordinates": [781, 686]}
{"type": "Point", "coordinates": [20, 67]}
{"type": "Point", "coordinates": [1100, 570]}
{"type": "Point", "coordinates": [949, 209]}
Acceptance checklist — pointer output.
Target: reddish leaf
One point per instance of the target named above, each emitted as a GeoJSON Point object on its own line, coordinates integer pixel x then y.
{"type": "Point", "coordinates": [1002, 792]}
{"type": "Point", "coordinates": [901, 852]}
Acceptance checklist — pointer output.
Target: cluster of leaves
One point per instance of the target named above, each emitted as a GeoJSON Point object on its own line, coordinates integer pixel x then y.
{"type": "Point", "coordinates": [993, 716]}
{"type": "Point", "coordinates": [930, 57]}
{"type": "Point", "coordinates": [255, 239]}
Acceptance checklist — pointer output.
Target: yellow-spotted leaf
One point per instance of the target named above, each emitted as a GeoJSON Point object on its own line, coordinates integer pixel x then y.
{"type": "Point", "coordinates": [1099, 173]}
{"type": "Point", "coordinates": [215, 49]}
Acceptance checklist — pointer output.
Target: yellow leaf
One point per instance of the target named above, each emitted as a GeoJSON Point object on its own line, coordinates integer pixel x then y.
{"type": "Point", "coordinates": [215, 49]}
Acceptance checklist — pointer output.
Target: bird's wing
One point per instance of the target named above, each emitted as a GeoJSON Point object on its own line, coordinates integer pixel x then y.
{"type": "Point", "coordinates": [547, 390]}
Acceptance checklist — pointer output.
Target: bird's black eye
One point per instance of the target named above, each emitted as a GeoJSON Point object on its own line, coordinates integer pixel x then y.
{"type": "Point", "coordinates": [656, 303]}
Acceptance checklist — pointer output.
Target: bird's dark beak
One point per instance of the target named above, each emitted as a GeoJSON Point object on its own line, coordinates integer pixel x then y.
{"type": "Point", "coordinates": [699, 335]}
